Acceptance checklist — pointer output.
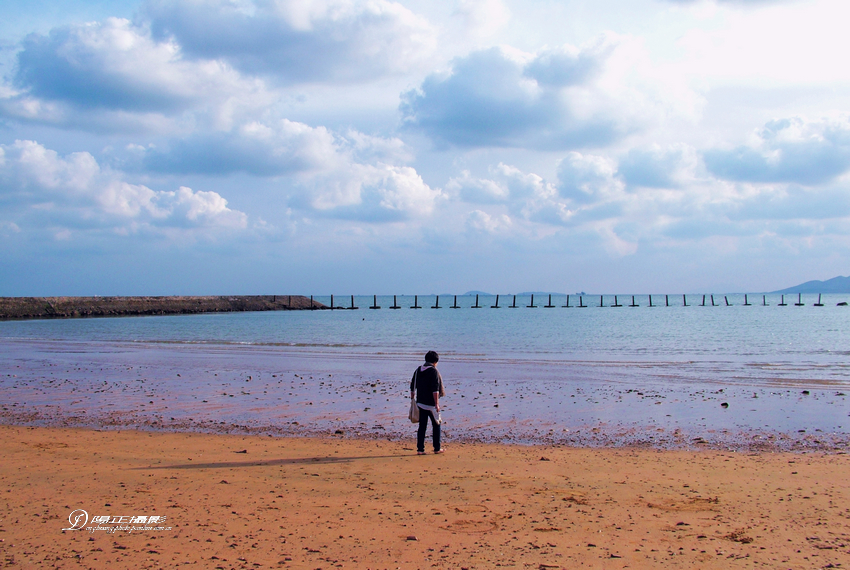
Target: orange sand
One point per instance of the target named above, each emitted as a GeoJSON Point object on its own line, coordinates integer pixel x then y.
{"type": "Point", "coordinates": [339, 503]}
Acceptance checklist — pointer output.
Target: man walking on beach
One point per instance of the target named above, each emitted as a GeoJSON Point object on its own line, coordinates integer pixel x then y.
{"type": "Point", "coordinates": [427, 386]}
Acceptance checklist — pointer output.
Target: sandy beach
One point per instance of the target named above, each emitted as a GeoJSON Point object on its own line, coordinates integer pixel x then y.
{"type": "Point", "coordinates": [258, 501]}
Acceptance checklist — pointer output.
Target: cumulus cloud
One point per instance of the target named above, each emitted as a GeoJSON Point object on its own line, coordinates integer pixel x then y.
{"type": "Point", "coordinates": [191, 64]}
{"type": "Point", "coordinates": [258, 148]}
{"type": "Point", "coordinates": [296, 40]}
{"type": "Point", "coordinates": [74, 192]}
{"type": "Point", "coordinates": [481, 222]}
{"type": "Point", "coordinates": [372, 193]}
{"type": "Point", "coordinates": [350, 175]}
{"type": "Point", "coordinates": [788, 150]}
{"type": "Point", "coordinates": [656, 167]}
{"type": "Point", "coordinates": [555, 99]}
{"type": "Point", "coordinates": [656, 195]}
{"type": "Point", "coordinates": [112, 76]}
{"type": "Point", "coordinates": [477, 190]}
{"type": "Point", "coordinates": [115, 65]}
{"type": "Point", "coordinates": [586, 179]}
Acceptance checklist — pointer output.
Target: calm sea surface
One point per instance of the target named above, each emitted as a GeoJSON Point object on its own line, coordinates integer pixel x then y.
{"type": "Point", "coordinates": [804, 335]}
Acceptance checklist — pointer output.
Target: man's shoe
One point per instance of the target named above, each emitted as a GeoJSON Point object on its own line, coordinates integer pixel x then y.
{"type": "Point", "coordinates": [420, 453]}
{"type": "Point", "coordinates": [441, 450]}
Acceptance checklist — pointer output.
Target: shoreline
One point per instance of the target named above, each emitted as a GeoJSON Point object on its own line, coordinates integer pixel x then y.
{"type": "Point", "coordinates": [250, 501]}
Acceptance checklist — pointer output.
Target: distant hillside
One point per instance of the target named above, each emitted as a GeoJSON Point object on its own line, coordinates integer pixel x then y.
{"type": "Point", "coordinates": [834, 285]}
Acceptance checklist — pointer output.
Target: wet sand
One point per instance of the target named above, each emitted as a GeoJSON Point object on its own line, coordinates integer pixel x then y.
{"type": "Point", "coordinates": [286, 391]}
{"type": "Point", "coordinates": [259, 502]}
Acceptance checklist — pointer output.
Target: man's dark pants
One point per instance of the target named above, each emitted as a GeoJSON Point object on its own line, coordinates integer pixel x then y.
{"type": "Point", "coordinates": [423, 425]}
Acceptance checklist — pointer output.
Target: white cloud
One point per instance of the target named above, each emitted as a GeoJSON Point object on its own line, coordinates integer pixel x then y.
{"type": "Point", "coordinates": [673, 166]}
{"type": "Point", "coordinates": [116, 65]}
{"type": "Point", "coordinates": [788, 150]}
{"type": "Point", "coordinates": [587, 179]}
{"type": "Point", "coordinates": [477, 190]}
{"type": "Point", "coordinates": [351, 175]}
{"type": "Point", "coordinates": [554, 99]}
{"type": "Point", "coordinates": [374, 193]}
{"type": "Point", "coordinates": [663, 196]}
{"type": "Point", "coordinates": [111, 75]}
{"type": "Point", "coordinates": [480, 221]}
{"type": "Point", "coordinates": [7, 229]}
{"type": "Point", "coordinates": [74, 192]}
{"type": "Point", "coordinates": [258, 148]}
{"type": "Point", "coordinates": [297, 41]}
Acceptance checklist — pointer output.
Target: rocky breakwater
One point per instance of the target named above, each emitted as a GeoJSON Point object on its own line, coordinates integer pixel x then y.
{"type": "Point", "coordinates": [70, 307]}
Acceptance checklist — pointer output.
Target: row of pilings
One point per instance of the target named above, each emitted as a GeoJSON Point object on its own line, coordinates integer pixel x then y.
{"type": "Point", "coordinates": [695, 300]}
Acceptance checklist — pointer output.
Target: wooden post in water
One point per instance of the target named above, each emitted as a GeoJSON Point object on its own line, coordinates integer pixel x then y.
{"type": "Point", "coordinates": [799, 302]}
{"type": "Point", "coordinates": [311, 303]}
{"type": "Point", "coordinates": [567, 306]}
{"type": "Point", "coordinates": [764, 300]}
{"type": "Point", "coordinates": [332, 302]}
{"type": "Point", "coordinates": [746, 301]}
{"type": "Point", "coordinates": [616, 304]}
{"type": "Point", "coordinates": [374, 302]}
{"type": "Point", "coordinates": [726, 299]}
{"type": "Point", "coordinates": [532, 305]}
{"type": "Point", "coordinates": [600, 301]}
{"type": "Point", "coordinates": [581, 304]}
{"type": "Point", "coordinates": [353, 308]}
{"type": "Point", "coordinates": [684, 300]}
{"type": "Point", "coordinates": [549, 305]}
{"type": "Point", "coordinates": [818, 304]}
{"type": "Point", "coordinates": [437, 304]}
{"type": "Point", "coordinates": [782, 303]}
{"type": "Point", "coordinates": [666, 300]}
{"type": "Point", "coordinates": [633, 302]}
{"type": "Point", "coordinates": [513, 305]}
{"type": "Point", "coordinates": [416, 302]}
{"type": "Point", "coordinates": [395, 303]}
{"type": "Point", "coordinates": [476, 305]}
{"type": "Point", "coordinates": [650, 301]}
{"type": "Point", "coordinates": [496, 306]}
{"type": "Point", "coordinates": [703, 301]}
{"type": "Point", "coordinates": [455, 304]}
{"type": "Point", "coordinates": [712, 301]}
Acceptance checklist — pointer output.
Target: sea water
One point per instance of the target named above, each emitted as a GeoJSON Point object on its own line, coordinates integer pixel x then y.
{"type": "Point", "coordinates": [806, 340]}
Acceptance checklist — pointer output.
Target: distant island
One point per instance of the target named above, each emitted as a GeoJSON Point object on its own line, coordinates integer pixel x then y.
{"type": "Point", "coordinates": [834, 285]}
{"type": "Point", "coordinates": [70, 307]}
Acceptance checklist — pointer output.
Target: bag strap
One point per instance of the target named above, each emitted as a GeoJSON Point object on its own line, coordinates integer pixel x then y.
{"type": "Point", "coordinates": [415, 377]}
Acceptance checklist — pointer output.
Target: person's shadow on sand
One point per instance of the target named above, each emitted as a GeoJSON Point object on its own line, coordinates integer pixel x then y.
{"type": "Point", "coordinates": [270, 462]}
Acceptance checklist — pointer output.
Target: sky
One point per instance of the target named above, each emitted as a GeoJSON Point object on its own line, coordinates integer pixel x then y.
{"type": "Point", "coordinates": [163, 147]}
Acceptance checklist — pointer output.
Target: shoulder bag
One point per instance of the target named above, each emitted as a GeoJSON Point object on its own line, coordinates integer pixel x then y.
{"type": "Point", "coordinates": [414, 409]}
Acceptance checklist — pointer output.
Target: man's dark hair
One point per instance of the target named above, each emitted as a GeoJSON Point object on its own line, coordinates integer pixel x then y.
{"type": "Point", "coordinates": [432, 357]}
